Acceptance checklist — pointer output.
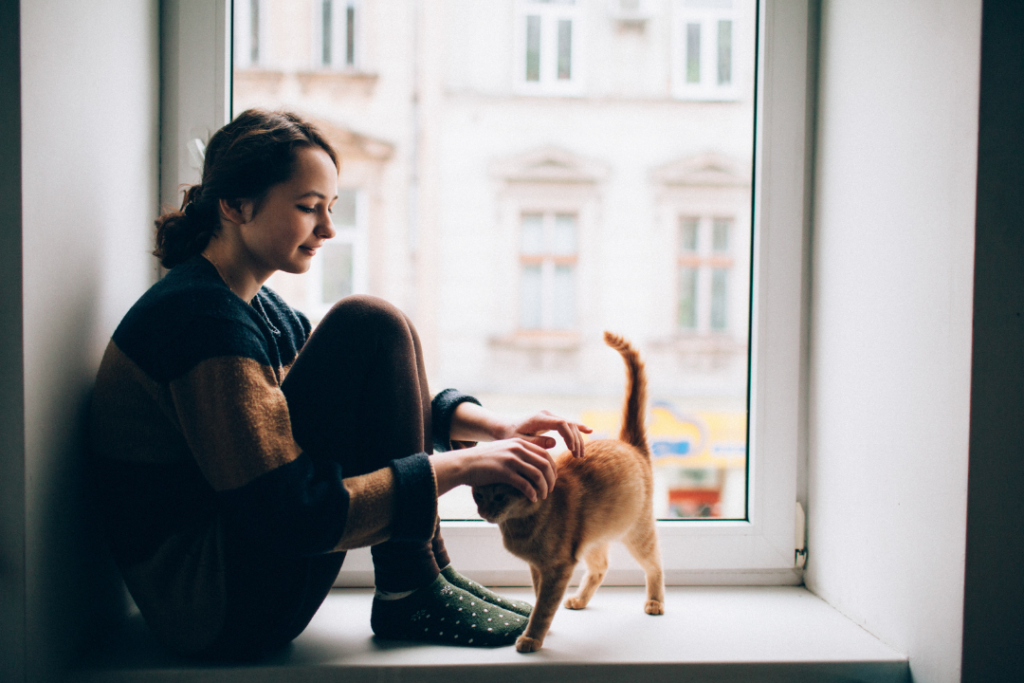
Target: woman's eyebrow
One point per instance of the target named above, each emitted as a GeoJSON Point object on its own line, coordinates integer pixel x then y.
{"type": "Point", "coordinates": [314, 193]}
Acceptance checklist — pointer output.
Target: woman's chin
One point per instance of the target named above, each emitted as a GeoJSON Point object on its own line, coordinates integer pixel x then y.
{"type": "Point", "coordinates": [298, 267]}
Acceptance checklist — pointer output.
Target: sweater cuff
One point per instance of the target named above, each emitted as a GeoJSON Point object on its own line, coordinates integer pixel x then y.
{"type": "Point", "coordinates": [442, 409]}
{"type": "Point", "coordinates": [415, 497]}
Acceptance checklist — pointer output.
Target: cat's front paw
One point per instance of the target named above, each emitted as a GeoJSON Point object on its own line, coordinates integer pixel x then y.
{"type": "Point", "coordinates": [654, 607]}
{"type": "Point", "coordinates": [527, 644]}
{"type": "Point", "coordinates": [575, 603]}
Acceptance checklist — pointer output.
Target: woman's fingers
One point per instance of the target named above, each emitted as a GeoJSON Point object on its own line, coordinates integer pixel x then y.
{"type": "Point", "coordinates": [535, 464]}
{"type": "Point", "coordinates": [544, 421]}
{"type": "Point", "coordinates": [516, 461]}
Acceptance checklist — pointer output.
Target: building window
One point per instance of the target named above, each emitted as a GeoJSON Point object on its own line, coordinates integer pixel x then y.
{"type": "Point", "coordinates": [249, 33]}
{"type": "Point", "coordinates": [341, 268]}
{"type": "Point", "coordinates": [547, 276]}
{"type": "Point", "coordinates": [336, 24]}
{"type": "Point", "coordinates": [703, 50]}
{"type": "Point", "coordinates": [704, 270]}
{"type": "Point", "coordinates": [547, 60]}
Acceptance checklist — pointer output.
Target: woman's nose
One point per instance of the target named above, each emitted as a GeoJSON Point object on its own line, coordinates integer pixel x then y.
{"type": "Point", "coordinates": [326, 227]}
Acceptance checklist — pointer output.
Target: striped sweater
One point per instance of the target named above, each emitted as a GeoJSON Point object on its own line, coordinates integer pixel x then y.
{"type": "Point", "coordinates": [192, 442]}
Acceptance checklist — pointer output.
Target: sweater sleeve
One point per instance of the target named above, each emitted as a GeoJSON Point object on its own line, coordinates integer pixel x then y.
{"type": "Point", "coordinates": [235, 420]}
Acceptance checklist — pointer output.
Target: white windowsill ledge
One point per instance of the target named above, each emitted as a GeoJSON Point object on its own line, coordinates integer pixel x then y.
{"type": "Point", "coordinates": [707, 634]}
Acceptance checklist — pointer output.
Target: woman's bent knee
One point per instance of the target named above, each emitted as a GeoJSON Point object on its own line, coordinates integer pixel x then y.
{"type": "Point", "coordinates": [365, 310]}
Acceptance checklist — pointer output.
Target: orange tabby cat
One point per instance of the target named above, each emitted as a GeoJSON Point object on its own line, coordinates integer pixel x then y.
{"type": "Point", "coordinates": [602, 497]}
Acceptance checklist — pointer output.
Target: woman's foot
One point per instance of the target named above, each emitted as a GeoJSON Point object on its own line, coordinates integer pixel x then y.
{"type": "Point", "coordinates": [460, 581]}
{"type": "Point", "coordinates": [443, 613]}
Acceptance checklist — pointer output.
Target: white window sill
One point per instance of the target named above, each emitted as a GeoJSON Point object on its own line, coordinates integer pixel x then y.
{"type": "Point", "coordinates": [707, 634]}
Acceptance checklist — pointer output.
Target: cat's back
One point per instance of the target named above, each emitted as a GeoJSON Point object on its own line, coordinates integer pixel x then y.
{"type": "Point", "coordinates": [612, 483]}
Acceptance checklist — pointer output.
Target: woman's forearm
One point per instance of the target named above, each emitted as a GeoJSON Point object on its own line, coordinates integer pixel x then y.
{"type": "Point", "coordinates": [471, 422]}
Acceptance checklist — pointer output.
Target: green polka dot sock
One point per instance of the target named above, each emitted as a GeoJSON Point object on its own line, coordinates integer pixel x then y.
{"type": "Point", "coordinates": [442, 613]}
{"type": "Point", "coordinates": [457, 579]}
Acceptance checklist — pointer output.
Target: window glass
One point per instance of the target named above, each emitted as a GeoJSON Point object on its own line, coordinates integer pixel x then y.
{"type": "Point", "coordinates": [720, 234]}
{"type": "Point", "coordinates": [530, 297]}
{"type": "Point", "coordinates": [704, 33]}
{"type": "Point", "coordinates": [344, 214]}
{"type": "Point", "coordinates": [533, 48]}
{"type": "Point", "coordinates": [532, 235]}
{"type": "Point", "coordinates": [688, 234]}
{"type": "Point", "coordinates": [719, 300]}
{"type": "Point", "coordinates": [687, 297]}
{"type": "Point", "coordinates": [327, 32]}
{"type": "Point", "coordinates": [564, 234]}
{"type": "Point", "coordinates": [254, 31]}
{"type": "Point", "coordinates": [550, 191]}
{"type": "Point", "coordinates": [724, 52]}
{"type": "Point", "coordinates": [337, 271]}
{"type": "Point", "coordinates": [564, 49]}
{"type": "Point", "coordinates": [693, 53]}
{"type": "Point", "coordinates": [350, 34]}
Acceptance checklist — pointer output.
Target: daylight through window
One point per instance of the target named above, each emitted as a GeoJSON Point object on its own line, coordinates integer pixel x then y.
{"type": "Point", "coordinates": [520, 184]}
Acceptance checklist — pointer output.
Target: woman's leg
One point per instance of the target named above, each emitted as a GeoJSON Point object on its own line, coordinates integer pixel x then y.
{"type": "Point", "coordinates": [357, 394]}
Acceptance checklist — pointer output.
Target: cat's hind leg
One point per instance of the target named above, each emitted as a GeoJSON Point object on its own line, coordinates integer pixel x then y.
{"type": "Point", "coordinates": [642, 544]}
{"type": "Point", "coordinates": [596, 558]}
{"type": "Point", "coordinates": [550, 589]}
{"type": "Point", "coordinates": [535, 580]}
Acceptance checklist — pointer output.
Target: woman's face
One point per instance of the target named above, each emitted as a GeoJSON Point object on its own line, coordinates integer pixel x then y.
{"type": "Point", "coordinates": [294, 220]}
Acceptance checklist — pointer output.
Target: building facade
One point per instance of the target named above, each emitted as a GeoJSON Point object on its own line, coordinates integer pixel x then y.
{"type": "Point", "coordinates": [521, 175]}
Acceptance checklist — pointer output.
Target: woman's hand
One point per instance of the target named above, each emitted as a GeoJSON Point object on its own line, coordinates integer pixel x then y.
{"type": "Point", "coordinates": [534, 427]}
{"type": "Point", "coordinates": [470, 422]}
{"type": "Point", "coordinates": [517, 462]}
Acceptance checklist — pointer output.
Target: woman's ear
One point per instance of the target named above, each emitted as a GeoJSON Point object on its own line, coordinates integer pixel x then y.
{"type": "Point", "coordinates": [237, 211]}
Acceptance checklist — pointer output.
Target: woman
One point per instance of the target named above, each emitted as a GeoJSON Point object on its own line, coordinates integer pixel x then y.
{"type": "Point", "coordinates": [239, 456]}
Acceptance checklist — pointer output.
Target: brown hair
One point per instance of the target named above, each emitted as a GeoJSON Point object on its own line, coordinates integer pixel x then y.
{"type": "Point", "coordinates": [244, 160]}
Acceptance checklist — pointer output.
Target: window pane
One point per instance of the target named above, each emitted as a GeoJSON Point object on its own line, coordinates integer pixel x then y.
{"type": "Point", "coordinates": [720, 234]}
{"type": "Point", "coordinates": [563, 298]}
{"type": "Point", "coordinates": [533, 48]}
{"type": "Point", "coordinates": [531, 237]}
{"type": "Point", "coordinates": [254, 31]}
{"type": "Point", "coordinates": [337, 271]}
{"type": "Point", "coordinates": [548, 211]}
{"type": "Point", "coordinates": [563, 240]}
{"type": "Point", "coordinates": [345, 208]}
{"type": "Point", "coordinates": [530, 297]}
{"type": "Point", "coordinates": [687, 298]}
{"type": "Point", "coordinates": [350, 35]}
{"type": "Point", "coordinates": [327, 31]}
{"type": "Point", "coordinates": [688, 234]}
{"type": "Point", "coordinates": [719, 298]}
{"type": "Point", "coordinates": [724, 52]}
{"type": "Point", "coordinates": [564, 49]}
{"type": "Point", "coordinates": [693, 53]}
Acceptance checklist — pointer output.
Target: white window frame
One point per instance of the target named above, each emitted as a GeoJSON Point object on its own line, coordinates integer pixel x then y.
{"type": "Point", "coordinates": [550, 14]}
{"type": "Point", "coordinates": [708, 17]}
{"type": "Point", "coordinates": [339, 33]}
{"type": "Point", "coordinates": [759, 550]}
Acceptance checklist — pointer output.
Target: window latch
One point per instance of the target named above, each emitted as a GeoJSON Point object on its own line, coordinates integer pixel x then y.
{"type": "Point", "coordinates": [800, 540]}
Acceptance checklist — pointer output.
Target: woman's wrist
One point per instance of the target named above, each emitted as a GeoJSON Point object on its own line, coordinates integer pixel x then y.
{"type": "Point", "coordinates": [471, 422]}
{"type": "Point", "coordinates": [449, 470]}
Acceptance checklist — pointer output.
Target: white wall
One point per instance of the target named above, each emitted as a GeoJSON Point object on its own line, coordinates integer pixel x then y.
{"type": "Point", "coordinates": [89, 107]}
{"type": "Point", "coordinates": [891, 320]}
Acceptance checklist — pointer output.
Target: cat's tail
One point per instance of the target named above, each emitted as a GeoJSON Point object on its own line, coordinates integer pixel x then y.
{"type": "Point", "coordinates": [634, 410]}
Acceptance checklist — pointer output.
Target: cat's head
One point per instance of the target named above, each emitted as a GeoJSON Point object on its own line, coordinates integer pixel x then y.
{"type": "Point", "coordinates": [498, 502]}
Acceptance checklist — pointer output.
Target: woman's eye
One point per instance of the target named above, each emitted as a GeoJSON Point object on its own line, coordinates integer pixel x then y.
{"type": "Point", "coordinates": [307, 209]}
